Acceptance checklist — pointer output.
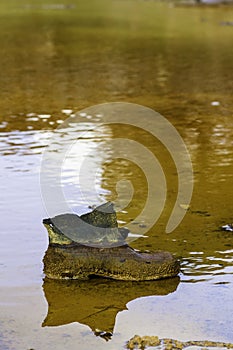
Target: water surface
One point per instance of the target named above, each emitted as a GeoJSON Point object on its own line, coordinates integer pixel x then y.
{"type": "Point", "coordinates": [176, 60]}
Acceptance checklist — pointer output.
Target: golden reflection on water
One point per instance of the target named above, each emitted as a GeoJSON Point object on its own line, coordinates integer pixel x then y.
{"type": "Point", "coordinates": [178, 61]}
{"type": "Point", "coordinates": [97, 302]}
{"type": "Point", "coordinates": [210, 206]}
{"type": "Point", "coordinates": [164, 57]}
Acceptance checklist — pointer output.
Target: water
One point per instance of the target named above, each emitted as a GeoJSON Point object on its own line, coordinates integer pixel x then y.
{"type": "Point", "coordinates": [176, 60]}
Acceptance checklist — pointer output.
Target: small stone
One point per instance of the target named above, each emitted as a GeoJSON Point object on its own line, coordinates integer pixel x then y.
{"type": "Point", "coordinates": [179, 345]}
{"type": "Point", "coordinates": [150, 340]}
{"type": "Point", "coordinates": [134, 342]}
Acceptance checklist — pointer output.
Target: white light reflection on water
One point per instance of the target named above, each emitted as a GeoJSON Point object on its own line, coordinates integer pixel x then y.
{"type": "Point", "coordinates": [75, 144]}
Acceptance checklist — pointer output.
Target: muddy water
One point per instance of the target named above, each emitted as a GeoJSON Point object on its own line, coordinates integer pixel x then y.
{"type": "Point", "coordinates": [176, 60]}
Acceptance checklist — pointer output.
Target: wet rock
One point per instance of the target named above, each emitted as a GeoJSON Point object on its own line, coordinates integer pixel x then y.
{"type": "Point", "coordinates": [138, 342]}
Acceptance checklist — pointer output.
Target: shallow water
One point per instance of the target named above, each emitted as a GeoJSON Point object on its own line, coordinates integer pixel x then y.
{"type": "Point", "coordinates": [175, 60]}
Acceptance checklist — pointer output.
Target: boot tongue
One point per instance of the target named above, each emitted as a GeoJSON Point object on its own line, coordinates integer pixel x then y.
{"type": "Point", "coordinates": [103, 216]}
